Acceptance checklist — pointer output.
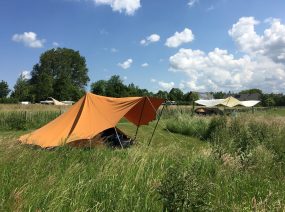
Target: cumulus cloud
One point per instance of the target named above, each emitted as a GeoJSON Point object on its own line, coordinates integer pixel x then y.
{"type": "Point", "coordinates": [219, 70]}
{"type": "Point", "coordinates": [153, 80]}
{"type": "Point", "coordinates": [127, 6]}
{"type": "Point", "coordinates": [192, 3]}
{"type": "Point", "coordinates": [29, 39]}
{"type": "Point", "coordinates": [179, 38]}
{"type": "Point", "coordinates": [166, 85]}
{"type": "Point", "coordinates": [126, 64]}
{"type": "Point", "coordinates": [270, 44]}
{"type": "Point", "coordinates": [261, 65]}
{"type": "Point", "coordinates": [150, 39]}
{"type": "Point", "coordinates": [144, 65]}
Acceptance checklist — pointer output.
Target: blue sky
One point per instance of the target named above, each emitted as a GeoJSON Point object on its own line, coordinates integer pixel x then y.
{"type": "Point", "coordinates": [197, 45]}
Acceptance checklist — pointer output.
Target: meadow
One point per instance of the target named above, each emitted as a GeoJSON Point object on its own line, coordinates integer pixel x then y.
{"type": "Point", "coordinates": [232, 163]}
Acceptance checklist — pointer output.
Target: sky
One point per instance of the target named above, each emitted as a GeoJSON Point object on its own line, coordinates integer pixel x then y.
{"type": "Point", "coordinates": [194, 45]}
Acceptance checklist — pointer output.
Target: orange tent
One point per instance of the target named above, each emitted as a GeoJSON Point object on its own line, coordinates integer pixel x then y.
{"type": "Point", "coordinates": [91, 115]}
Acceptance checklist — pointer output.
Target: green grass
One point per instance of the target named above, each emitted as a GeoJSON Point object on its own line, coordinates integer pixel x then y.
{"type": "Point", "coordinates": [277, 112]}
{"type": "Point", "coordinates": [177, 172]}
{"type": "Point", "coordinates": [88, 179]}
{"type": "Point", "coordinates": [23, 120]}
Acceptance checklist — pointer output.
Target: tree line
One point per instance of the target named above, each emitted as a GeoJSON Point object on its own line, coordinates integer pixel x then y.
{"type": "Point", "coordinates": [62, 73]}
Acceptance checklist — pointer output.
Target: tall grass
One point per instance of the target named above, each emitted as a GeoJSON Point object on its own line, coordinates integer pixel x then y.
{"type": "Point", "coordinates": [23, 120]}
{"type": "Point", "coordinates": [74, 179]}
{"type": "Point", "coordinates": [245, 169]}
{"type": "Point", "coordinates": [186, 124]}
{"type": "Point", "coordinates": [239, 168]}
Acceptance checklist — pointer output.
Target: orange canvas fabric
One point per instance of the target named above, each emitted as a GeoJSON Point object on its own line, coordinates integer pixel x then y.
{"type": "Point", "coordinates": [91, 115]}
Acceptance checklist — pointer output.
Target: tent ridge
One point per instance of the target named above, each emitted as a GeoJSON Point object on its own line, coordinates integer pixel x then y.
{"type": "Point", "coordinates": [77, 117]}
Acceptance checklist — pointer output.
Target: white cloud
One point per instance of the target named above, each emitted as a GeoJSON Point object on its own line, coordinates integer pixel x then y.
{"type": "Point", "coordinates": [270, 44]}
{"type": "Point", "coordinates": [127, 6]}
{"type": "Point", "coordinates": [219, 70]}
{"type": "Point", "coordinates": [262, 64]}
{"type": "Point", "coordinates": [191, 3]}
{"type": "Point", "coordinates": [144, 65]}
{"type": "Point", "coordinates": [126, 64]}
{"type": "Point", "coordinates": [153, 80]}
{"type": "Point", "coordinates": [26, 74]}
{"type": "Point", "coordinates": [29, 39]}
{"type": "Point", "coordinates": [125, 78]}
{"type": "Point", "coordinates": [166, 85]}
{"type": "Point", "coordinates": [55, 44]}
{"type": "Point", "coordinates": [150, 39]}
{"type": "Point", "coordinates": [114, 50]}
{"type": "Point", "coordinates": [186, 36]}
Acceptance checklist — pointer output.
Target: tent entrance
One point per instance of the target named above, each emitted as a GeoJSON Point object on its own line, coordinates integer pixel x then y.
{"type": "Point", "coordinates": [112, 137]}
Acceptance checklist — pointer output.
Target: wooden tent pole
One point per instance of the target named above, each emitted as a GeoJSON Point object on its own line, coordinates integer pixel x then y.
{"type": "Point", "coordinates": [156, 125]}
{"type": "Point", "coordinates": [140, 119]}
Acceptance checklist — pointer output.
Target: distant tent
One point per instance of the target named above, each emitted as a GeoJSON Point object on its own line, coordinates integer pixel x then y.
{"type": "Point", "coordinates": [228, 102]}
{"type": "Point", "coordinates": [92, 115]}
{"type": "Point", "coordinates": [56, 102]}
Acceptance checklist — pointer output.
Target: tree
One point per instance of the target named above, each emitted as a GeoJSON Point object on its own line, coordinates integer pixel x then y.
{"type": "Point", "coordinates": [190, 97]}
{"type": "Point", "coordinates": [162, 94]}
{"type": "Point", "coordinates": [60, 73]}
{"type": "Point", "coordinates": [251, 91]}
{"type": "Point", "coordinates": [269, 101]}
{"type": "Point", "coordinates": [99, 87]}
{"type": "Point", "coordinates": [115, 87]}
{"type": "Point", "coordinates": [175, 94]}
{"type": "Point", "coordinates": [219, 95]}
{"type": "Point", "coordinates": [4, 89]}
{"type": "Point", "coordinates": [22, 89]}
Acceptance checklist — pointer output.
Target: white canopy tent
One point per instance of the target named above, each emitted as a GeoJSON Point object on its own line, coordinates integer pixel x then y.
{"type": "Point", "coordinates": [228, 102]}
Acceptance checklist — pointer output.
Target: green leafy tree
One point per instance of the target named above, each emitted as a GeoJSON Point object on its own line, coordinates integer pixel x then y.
{"type": "Point", "coordinates": [4, 89]}
{"type": "Point", "coordinates": [268, 100]}
{"type": "Point", "coordinates": [133, 90]}
{"type": "Point", "coordinates": [162, 94]}
{"type": "Point", "coordinates": [99, 87]}
{"type": "Point", "coordinates": [60, 73]}
{"type": "Point", "coordinates": [251, 91]}
{"type": "Point", "coordinates": [115, 87]}
{"type": "Point", "coordinates": [219, 95]}
{"type": "Point", "coordinates": [22, 89]}
{"type": "Point", "coordinates": [175, 94]}
{"type": "Point", "coordinates": [190, 97]}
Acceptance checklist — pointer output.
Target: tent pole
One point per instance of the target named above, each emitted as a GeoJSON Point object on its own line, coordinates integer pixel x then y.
{"type": "Point", "coordinates": [193, 107]}
{"type": "Point", "coordinates": [140, 119]}
{"type": "Point", "coordinates": [118, 138]}
{"type": "Point", "coordinates": [156, 125]}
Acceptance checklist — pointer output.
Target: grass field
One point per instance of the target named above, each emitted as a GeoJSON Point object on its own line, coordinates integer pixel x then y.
{"type": "Point", "coordinates": [227, 170]}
